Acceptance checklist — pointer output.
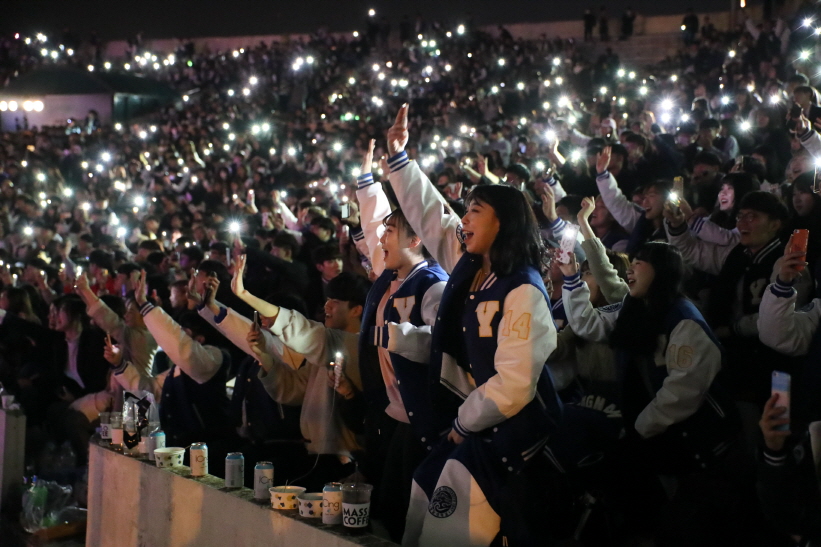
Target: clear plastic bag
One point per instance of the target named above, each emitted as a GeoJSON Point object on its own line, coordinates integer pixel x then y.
{"type": "Point", "coordinates": [43, 503]}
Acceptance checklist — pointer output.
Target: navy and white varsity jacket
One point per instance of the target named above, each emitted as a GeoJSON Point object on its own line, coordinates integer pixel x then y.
{"type": "Point", "coordinates": [487, 373]}
{"type": "Point", "coordinates": [405, 329]}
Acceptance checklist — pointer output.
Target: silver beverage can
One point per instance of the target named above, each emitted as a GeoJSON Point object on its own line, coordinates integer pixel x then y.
{"type": "Point", "coordinates": [263, 480]}
{"type": "Point", "coordinates": [156, 439]}
{"type": "Point", "coordinates": [332, 503]}
{"type": "Point", "coordinates": [198, 454]}
{"type": "Point", "coordinates": [234, 470]}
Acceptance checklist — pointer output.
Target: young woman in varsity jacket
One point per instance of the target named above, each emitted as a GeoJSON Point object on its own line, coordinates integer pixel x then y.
{"type": "Point", "coordinates": [191, 394]}
{"type": "Point", "coordinates": [668, 359]}
{"type": "Point", "coordinates": [743, 272]}
{"type": "Point", "coordinates": [398, 317]}
{"type": "Point", "coordinates": [491, 392]}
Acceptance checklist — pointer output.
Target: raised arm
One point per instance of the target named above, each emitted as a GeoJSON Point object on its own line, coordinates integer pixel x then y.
{"type": "Point", "coordinates": [707, 257]}
{"type": "Point", "coordinates": [780, 326]}
{"type": "Point", "coordinates": [199, 362]}
{"type": "Point", "coordinates": [373, 208]}
{"type": "Point", "coordinates": [103, 316]}
{"type": "Point", "coordinates": [589, 323]}
{"type": "Point", "coordinates": [425, 209]}
{"type": "Point", "coordinates": [623, 210]}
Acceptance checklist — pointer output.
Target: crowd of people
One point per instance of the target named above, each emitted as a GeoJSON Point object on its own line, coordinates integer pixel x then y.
{"type": "Point", "coordinates": [529, 295]}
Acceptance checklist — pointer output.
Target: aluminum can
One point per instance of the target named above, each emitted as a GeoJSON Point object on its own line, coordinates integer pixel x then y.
{"type": "Point", "coordinates": [263, 480]}
{"type": "Point", "coordinates": [234, 470]}
{"type": "Point", "coordinates": [198, 456]}
{"type": "Point", "coordinates": [332, 503]}
{"type": "Point", "coordinates": [156, 439]}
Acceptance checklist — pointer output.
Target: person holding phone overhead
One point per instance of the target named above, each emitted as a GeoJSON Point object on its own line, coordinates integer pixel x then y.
{"type": "Point", "coordinates": [491, 392]}
{"type": "Point", "coordinates": [787, 477]}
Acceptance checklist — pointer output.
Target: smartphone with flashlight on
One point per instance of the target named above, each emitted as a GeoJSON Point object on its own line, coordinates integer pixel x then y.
{"type": "Point", "coordinates": [257, 322]}
{"type": "Point", "coordinates": [568, 243]}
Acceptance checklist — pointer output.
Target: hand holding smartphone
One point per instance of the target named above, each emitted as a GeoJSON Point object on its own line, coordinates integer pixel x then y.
{"type": "Point", "coordinates": [781, 386]}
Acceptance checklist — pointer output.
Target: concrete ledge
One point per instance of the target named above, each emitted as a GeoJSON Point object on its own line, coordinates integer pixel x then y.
{"type": "Point", "coordinates": [133, 503]}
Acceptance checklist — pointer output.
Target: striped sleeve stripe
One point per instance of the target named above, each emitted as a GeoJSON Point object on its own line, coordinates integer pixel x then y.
{"type": "Point", "coordinates": [551, 181]}
{"type": "Point", "coordinates": [146, 308]}
{"type": "Point", "coordinates": [572, 279]}
{"type": "Point", "coordinates": [775, 461]}
{"type": "Point", "coordinates": [558, 225]}
{"type": "Point", "coordinates": [119, 369]}
{"type": "Point", "coordinates": [357, 234]}
{"type": "Point", "coordinates": [460, 429]}
{"type": "Point", "coordinates": [806, 136]}
{"type": "Point", "coordinates": [220, 317]}
{"type": "Point", "coordinates": [782, 289]}
{"type": "Point", "coordinates": [603, 176]}
{"type": "Point", "coordinates": [364, 180]}
{"type": "Point", "coordinates": [698, 223]}
{"type": "Point", "coordinates": [398, 161]}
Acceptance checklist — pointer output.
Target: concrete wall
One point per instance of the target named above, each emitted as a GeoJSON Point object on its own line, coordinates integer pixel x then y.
{"type": "Point", "coordinates": [12, 453]}
{"type": "Point", "coordinates": [131, 503]}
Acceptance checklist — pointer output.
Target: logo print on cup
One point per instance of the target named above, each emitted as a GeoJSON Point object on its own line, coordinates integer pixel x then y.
{"type": "Point", "coordinates": [443, 502]}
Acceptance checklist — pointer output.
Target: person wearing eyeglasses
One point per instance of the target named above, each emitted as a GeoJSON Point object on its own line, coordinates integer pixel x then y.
{"type": "Point", "coordinates": [743, 272]}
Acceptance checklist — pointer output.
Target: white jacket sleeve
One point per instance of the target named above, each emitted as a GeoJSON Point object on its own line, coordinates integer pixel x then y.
{"type": "Point", "coordinates": [709, 231]}
{"type": "Point", "coordinates": [107, 320]}
{"type": "Point", "coordinates": [131, 380]}
{"type": "Point", "coordinates": [291, 222]}
{"type": "Point", "coordinates": [811, 140]}
{"type": "Point", "coordinates": [625, 212]}
{"type": "Point", "coordinates": [199, 362]}
{"type": "Point", "coordinates": [235, 327]}
{"type": "Point", "coordinates": [591, 324]}
{"type": "Point", "coordinates": [525, 339]}
{"type": "Point", "coordinates": [410, 341]}
{"type": "Point", "coordinates": [692, 361]}
{"type": "Point", "coordinates": [426, 211]}
{"type": "Point", "coordinates": [705, 256]}
{"type": "Point", "coordinates": [284, 384]}
{"type": "Point", "coordinates": [783, 328]}
{"type": "Point", "coordinates": [374, 207]}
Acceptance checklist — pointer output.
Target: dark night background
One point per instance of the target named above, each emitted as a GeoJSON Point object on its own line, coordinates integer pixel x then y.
{"type": "Point", "coordinates": [190, 18]}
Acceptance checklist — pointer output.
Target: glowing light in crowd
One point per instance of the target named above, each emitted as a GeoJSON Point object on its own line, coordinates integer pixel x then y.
{"type": "Point", "coordinates": [674, 78]}
{"type": "Point", "coordinates": [67, 192]}
{"type": "Point", "coordinates": [143, 134]}
{"type": "Point", "coordinates": [807, 22]}
{"type": "Point", "coordinates": [667, 104]}
{"type": "Point", "coordinates": [550, 135]}
{"type": "Point", "coordinates": [292, 151]}
{"type": "Point", "coordinates": [804, 55]}
{"type": "Point", "coordinates": [775, 99]}
{"type": "Point", "coordinates": [253, 80]}
{"type": "Point", "coordinates": [621, 73]}
{"type": "Point", "coordinates": [371, 12]}
{"type": "Point", "coordinates": [745, 125]}
{"type": "Point", "coordinates": [559, 80]}
{"type": "Point", "coordinates": [105, 156]}
{"type": "Point", "coordinates": [564, 102]}
{"type": "Point", "coordinates": [725, 100]}
{"type": "Point", "coordinates": [28, 230]}
{"type": "Point", "coordinates": [546, 105]}
{"type": "Point", "coordinates": [576, 155]}
{"type": "Point", "coordinates": [13, 106]}
{"type": "Point", "coordinates": [685, 117]}
{"type": "Point", "coordinates": [643, 90]}
{"type": "Point", "coordinates": [246, 91]}
{"type": "Point", "coordinates": [731, 53]}
{"type": "Point", "coordinates": [666, 118]}
{"type": "Point", "coordinates": [139, 201]}
{"type": "Point", "coordinates": [603, 90]}
{"type": "Point", "coordinates": [356, 34]}
{"type": "Point", "coordinates": [632, 75]}
{"type": "Point", "coordinates": [520, 86]}
{"type": "Point", "coordinates": [91, 68]}
{"type": "Point", "coordinates": [460, 29]}
{"type": "Point", "coordinates": [502, 61]}
{"type": "Point", "coordinates": [230, 92]}
{"type": "Point", "coordinates": [42, 178]}
{"type": "Point", "coordinates": [86, 206]}
{"type": "Point", "coordinates": [234, 226]}
{"type": "Point", "coordinates": [356, 171]}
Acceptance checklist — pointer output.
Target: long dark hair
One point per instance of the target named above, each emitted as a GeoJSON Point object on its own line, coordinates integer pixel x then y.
{"type": "Point", "coordinates": [642, 319]}
{"type": "Point", "coordinates": [519, 242]}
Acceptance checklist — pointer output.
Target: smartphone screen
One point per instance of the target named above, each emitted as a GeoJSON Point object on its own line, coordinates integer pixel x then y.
{"type": "Point", "coordinates": [781, 387]}
{"type": "Point", "coordinates": [345, 210]}
{"type": "Point", "coordinates": [568, 243]}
